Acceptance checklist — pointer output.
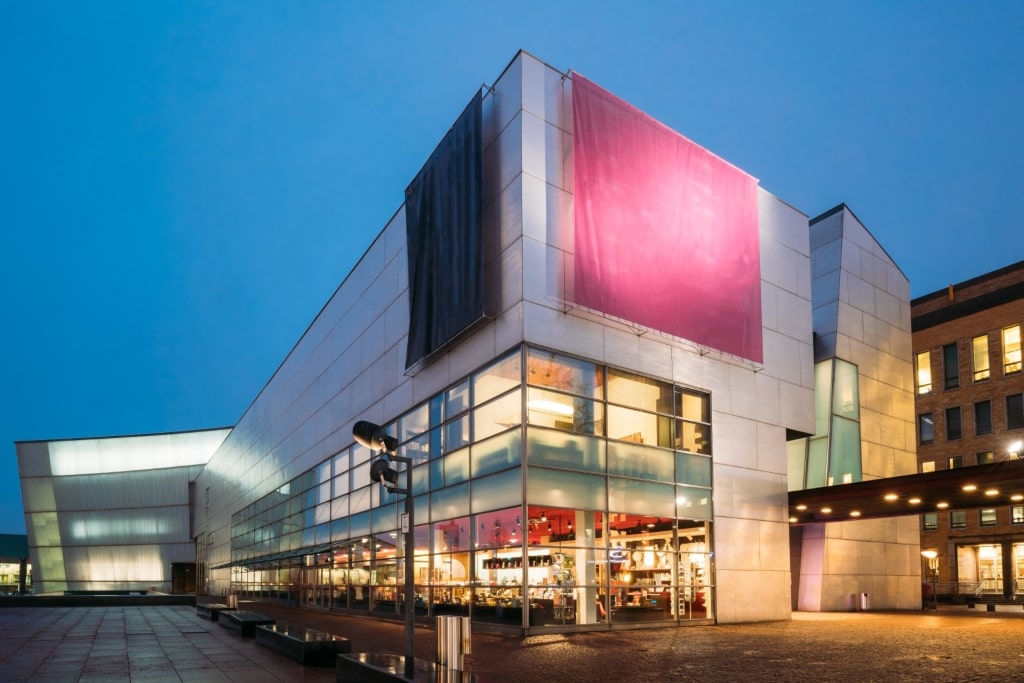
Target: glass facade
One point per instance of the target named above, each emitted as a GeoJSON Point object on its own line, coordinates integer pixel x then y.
{"type": "Point", "coordinates": [832, 455]}
{"type": "Point", "coordinates": [549, 491]}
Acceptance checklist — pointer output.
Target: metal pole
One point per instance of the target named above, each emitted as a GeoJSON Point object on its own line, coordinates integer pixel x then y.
{"type": "Point", "coordinates": [410, 589]}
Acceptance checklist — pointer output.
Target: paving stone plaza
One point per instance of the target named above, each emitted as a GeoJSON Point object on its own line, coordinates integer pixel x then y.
{"type": "Point", "coordinates": [171, 643]}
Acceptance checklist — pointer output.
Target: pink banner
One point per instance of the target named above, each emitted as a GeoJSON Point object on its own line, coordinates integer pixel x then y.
{"type": "Point", "coordinates": [666, 232]}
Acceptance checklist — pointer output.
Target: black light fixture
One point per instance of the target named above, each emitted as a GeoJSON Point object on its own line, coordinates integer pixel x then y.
{"type": "Point", "coordinates": [381, 471]}
{"type": "Point", "coordinates": [374, 436]}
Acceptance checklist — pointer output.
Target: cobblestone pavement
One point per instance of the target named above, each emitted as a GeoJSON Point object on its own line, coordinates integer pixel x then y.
{"type": "Point", "coordinates": [171, 644]}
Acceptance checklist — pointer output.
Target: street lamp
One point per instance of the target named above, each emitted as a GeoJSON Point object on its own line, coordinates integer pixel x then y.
{"type": "Point", "coordinates": [933, 567]}
{"type": "Point", "coordinates": [375, 437]}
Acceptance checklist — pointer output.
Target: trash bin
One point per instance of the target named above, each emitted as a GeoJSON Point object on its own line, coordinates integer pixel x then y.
{"type": "Point", "coordinates": [865, 602]}
{"type": "Point", "coordinates": [453, 641]}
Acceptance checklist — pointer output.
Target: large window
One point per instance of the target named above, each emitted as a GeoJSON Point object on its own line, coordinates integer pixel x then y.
{"type": "Point", "coordinates": [950, 366]}
{"type": "Point", "coordinates": [926, 428]}
{"type": "Point", "coordinates": [983, 418]}
{"type": "Point", "coordinates": [1011, 349]}
{"type": "Point", "coordinates": [1015, 411]}
{"type": "Point", "coordinates": [954, 428]}
{"type": "Point", "coordinates": [833, 454]}
{"type": "Point", "coordinates": [979, 351]}
{"type": "Point", "coordinates": [924, 372]}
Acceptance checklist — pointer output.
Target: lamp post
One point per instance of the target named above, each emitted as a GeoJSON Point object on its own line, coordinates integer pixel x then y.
{"type": "Point", "coordinates": [375, 437]}
{"type": "Point", "coordinates": [933, 567]}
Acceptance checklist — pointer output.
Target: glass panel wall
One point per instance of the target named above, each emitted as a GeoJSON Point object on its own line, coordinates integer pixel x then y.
{"type": "Point", "coordinates": [549, 492]}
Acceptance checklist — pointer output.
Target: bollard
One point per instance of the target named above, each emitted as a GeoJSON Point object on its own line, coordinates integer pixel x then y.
{"type": "Point", "coordinates": [865, 602]}
{"type": "Point", "coordinates": [453, 641]}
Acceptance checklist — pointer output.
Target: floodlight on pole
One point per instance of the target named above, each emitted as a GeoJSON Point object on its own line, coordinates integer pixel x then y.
{"type": "Point", "coordinates": [375, 437]}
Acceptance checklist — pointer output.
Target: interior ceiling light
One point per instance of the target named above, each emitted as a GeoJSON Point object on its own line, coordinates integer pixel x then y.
{"type": "Point", "coordinates": [970, 487]}
{"type": "Point", "coordinates": [550, 407]}
{"type": "Point", "coordinates": [826, 511]}
{"type": "Point", "coordinates": [892, 496]}
{"type": "Point", "coordinates": [914, 501]}
{"type": "Point", "coordinates": [942, 506]}
{"type": "Point", "coordinates": [992, 492]}
{"type": "Point", "coordinates": [801, 507]}
{"type": "Point", "coordinates": [792, 520]}
{"type": "Point", "coordinates": [1016, 497]}
{"type": "Point", "coordinates": [855, 513]}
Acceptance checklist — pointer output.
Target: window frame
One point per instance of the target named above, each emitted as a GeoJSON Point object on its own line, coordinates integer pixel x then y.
{"type": "Point", "coordinates": [922, 419]}
{"type": "Point", "coordinates": [950, 367]}
{"type": "Point", "coordinates": [1015, 412]}
{"type": "Point", "coordinates": [924, 373]}
{"type": "Point", "coordinates": [954, 423]}
{"type": "Point", "coordinates": [1017, 514]}
{"type": "Point", "coordinates": [981, 366]}
{"type": "Point", "coordinates": [957, 519]}
{"type": "Point", "coordinates": [983, 422]}
{"type": "Point", "coordinates": [1011, 350]}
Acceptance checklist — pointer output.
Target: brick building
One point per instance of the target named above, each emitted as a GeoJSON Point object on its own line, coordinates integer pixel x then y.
{"type": "Point", "coordinates": [970, 411]}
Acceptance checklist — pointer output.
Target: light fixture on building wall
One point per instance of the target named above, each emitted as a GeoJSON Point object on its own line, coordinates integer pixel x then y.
{"type": "Point", "coordinates": [933, 567]}
{"type": "Point", "coordinates": [1015, 448]}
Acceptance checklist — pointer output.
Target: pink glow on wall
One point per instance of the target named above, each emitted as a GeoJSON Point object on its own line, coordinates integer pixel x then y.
{"type": "Point", "coordinates": [666, 232]}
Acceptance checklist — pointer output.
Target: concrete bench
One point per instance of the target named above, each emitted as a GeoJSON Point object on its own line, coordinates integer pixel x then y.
{"type": "Point", "coordinates": [211, 610]}
{"type": "Point", "coordinates": [244, 623]}
{"type": "Point", "coordinates": [304, 645]}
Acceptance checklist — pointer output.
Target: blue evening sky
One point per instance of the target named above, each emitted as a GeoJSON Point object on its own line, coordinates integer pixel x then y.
{"type": "Point", "coordinates": [184, 184]}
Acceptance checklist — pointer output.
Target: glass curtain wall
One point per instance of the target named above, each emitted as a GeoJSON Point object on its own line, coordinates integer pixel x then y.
{"type": "Point", "coordinates": [548, 492]}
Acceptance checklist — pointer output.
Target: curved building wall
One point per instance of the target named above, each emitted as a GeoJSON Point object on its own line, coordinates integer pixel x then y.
{"type": "Point", "coordinates": [111, 513]}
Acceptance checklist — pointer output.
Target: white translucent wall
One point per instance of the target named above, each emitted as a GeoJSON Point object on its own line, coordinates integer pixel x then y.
{"type": "Point", "coordinates": [111, 513]}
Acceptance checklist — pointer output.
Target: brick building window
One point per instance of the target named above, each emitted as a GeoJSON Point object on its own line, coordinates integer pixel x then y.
{"type": "Point", "coordinates": [924, 372]}
{"type": "Point", "coordinates": [953, 426]}
{"type": "Point", "coordinates": [987, 516]}
{"type": "Point", "coordinates": [979, 354]}
{"type": "Point", "coordinates": [983, 418]}
{"type": "Point", "coordinates": [950, 367]}
{"type": "Point", "coordinates": [926, 426]}
{"type": "Point", "coordinates": [930, 521]}
{"type": "Point", "coordinates": [1017, 514]}
{"type": "Point", "coordinates": [928, 466]}
{"type": "Point", "coordinates": [1014, 411]}
{"type": "Point", "coordinates": [1011, 349]}
{"type": "Point", "coordinates": [955, 462]}
{"type": "Point", "coordinates": [957, 519]}
{"type": "Point", "coordinates": [986, 457]}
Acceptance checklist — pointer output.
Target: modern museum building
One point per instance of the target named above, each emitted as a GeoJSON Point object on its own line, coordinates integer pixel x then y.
{"type": "Point", "coordinates": [607, 354]}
